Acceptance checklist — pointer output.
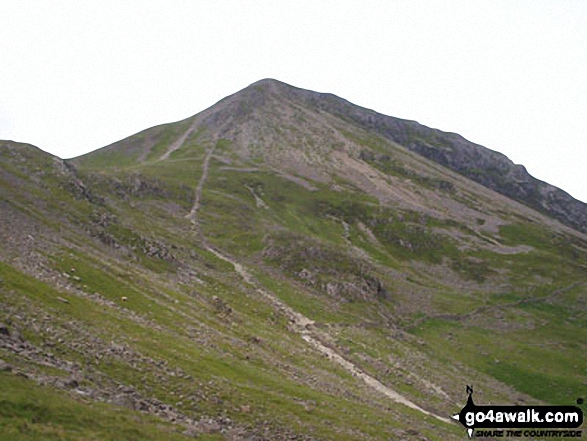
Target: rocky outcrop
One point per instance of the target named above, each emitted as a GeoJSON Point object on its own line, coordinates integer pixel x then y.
{"type": "Point", "coordinates": [480, 164]}
{"type": "Point", "coordinates": [239, 113]}
{"type": "Point", "coordinates": [489, 168]}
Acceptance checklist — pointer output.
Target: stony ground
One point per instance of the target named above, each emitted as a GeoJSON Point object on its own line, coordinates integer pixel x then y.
{"type": "Point", "coordinates": [273, 270]}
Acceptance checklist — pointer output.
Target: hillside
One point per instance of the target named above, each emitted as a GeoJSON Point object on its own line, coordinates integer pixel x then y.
{"type": "Point", "coordinates": [282, 265]}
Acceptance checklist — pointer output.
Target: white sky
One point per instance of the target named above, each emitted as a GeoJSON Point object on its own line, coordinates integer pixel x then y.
{"type": "Point", "coordinates": [510, 75]}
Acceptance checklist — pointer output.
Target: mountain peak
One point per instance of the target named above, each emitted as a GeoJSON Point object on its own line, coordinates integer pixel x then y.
{"type": "Point", "coordinates": [270, 85]}
{"type": "Point", "coordinates": [300, 132]}
{"type": "Point", "coordinates": [282, 265]}
{"type": "Point", "coordinates": [268, 81]}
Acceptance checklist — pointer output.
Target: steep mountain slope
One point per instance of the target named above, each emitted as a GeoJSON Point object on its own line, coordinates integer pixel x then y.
{"type": "Point", "coordinates": [227, 118]}
{"type": "Point", "coordinates": [279, 266]}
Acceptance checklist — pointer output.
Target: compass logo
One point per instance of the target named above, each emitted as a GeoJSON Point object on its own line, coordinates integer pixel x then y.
{"type": "Point", "coordinates": [474, 417]}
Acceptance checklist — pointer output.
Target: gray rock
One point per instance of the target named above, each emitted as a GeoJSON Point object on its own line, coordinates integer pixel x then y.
{"type": "Point", "coordinates": [480, 164]}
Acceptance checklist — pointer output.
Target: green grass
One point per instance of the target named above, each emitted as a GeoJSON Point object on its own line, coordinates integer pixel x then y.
{"type": "Point", "coordinates": [540, 356]}
{"type": "Point", "coordinates": [532, 341]}
{"type": "Point", "coordinates": [552, 389]}
{"type": "Point", "coordinates": [241, 381]}
{"type": "Point", "coordinates": [31, 412]}
{"type": "Point", "coordinates": [129, 150]}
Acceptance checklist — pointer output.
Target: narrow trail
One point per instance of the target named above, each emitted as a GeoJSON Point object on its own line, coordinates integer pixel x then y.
{"type": "Point", "coordinates": [485, 308]}
{"type": "Point", "coordinates": [179, 142]}
{"type": "Point", "coordinates": [299, 323]}
{"type": "Point", "coordinates": [193, 214]}
{"type": "Point", "coordinates": [260, 203]}
{"type": "Point", "coordinates": [302, 325]}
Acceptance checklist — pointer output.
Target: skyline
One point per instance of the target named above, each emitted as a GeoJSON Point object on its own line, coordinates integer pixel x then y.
{"type": "Point", "coordinates": [77, 77]}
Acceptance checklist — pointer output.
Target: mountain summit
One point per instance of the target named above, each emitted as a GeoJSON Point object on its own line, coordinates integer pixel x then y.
{"type": "Point", "coordinates": [268, 115]}
{"type": "Point", "coordinates": [282, 265]}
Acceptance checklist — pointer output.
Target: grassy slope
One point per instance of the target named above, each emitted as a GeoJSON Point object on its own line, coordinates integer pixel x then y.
{"type": "Point", "coordinates": [224, 367]}
{"type": "Point", "coordinates": [31, 412]}
{"type": "Point", "coordinates": [246, 363]}
{"type": "Point", "coordinates": [548, 345]}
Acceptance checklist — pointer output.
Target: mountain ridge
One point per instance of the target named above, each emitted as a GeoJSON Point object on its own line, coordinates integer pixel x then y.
{"type": "Point", "coordinates": [270, 270]}
{"type": "Point", "coordinates": [487, 167]}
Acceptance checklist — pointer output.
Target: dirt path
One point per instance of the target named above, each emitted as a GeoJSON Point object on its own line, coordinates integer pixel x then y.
{"type": "Point", "coordinates": [193, 214]}
{"type": "Point", "coordinates": [258, 201]}
{"type": "Point", "coordinates": [299, 323]}
{"type": "Point", "coordinates": [179, 142]}
{"type": "Point", "coordinates": [485, 308]}
{"type": "Point", "coordinates": [302, 325]}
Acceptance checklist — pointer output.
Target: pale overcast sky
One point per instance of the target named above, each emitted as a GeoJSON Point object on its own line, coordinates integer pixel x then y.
{"type": "Point", "coordinates": [510, 75]}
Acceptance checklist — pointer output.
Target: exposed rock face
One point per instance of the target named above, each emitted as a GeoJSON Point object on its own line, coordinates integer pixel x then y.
{"type": "Point", "coordinates": [280, 267]}
{"type": "Point", "coordinates": [487, 167]}
{"type": "Point", "coordinates": [239, 116]}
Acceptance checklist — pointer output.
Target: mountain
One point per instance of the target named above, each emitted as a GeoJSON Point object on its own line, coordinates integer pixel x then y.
{"type": "Point", "coordinates": [283, 265]}
{"type": "Point", "coordinates": [491, 169]}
